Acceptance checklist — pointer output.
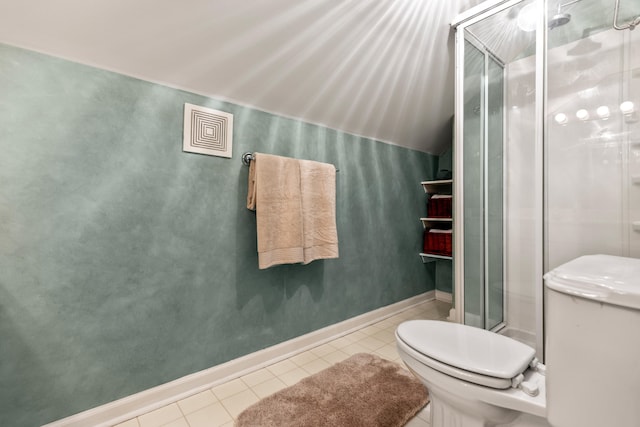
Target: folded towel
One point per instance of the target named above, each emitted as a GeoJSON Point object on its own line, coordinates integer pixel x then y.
{"type": "Point", "coordinates": [294, 202]}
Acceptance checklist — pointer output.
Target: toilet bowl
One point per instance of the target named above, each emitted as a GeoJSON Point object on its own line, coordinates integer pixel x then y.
{"type": "Point", "coordinates": [477, 378]}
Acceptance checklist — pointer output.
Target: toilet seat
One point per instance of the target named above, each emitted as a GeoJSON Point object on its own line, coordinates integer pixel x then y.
{"type": "Point", "coordinates": [467, 353]}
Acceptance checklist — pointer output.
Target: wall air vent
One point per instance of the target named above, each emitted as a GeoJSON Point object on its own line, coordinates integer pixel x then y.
{"type": "Point", "coordinates": [207, 131]}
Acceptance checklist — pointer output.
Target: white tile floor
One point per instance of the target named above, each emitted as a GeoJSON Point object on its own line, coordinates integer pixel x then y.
{"type": "Point", "coordinates": [221, 405]}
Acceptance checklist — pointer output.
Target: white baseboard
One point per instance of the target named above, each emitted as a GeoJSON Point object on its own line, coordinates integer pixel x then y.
{"type": "Point", "coordinates": [444, 296]}
{"type": "Point", "coordinates": [148, 400]}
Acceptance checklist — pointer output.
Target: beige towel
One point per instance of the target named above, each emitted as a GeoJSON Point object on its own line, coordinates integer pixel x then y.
{"type": "Point", "coordinates": [295, 209]}
{"type": "Point", "coordinates": [318, 188]}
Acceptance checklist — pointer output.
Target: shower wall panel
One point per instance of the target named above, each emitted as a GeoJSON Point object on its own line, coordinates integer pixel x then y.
{"type": "Point", "coordinates": [592, 157]}
{"type": "Point", "coordinates": [633, 140]}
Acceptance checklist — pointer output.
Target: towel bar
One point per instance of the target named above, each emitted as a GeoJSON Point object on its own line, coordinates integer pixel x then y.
{"type": "Point", "coordinates": [248, 156]}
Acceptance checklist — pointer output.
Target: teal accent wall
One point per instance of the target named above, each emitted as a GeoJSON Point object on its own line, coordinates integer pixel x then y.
{"type": "Point", "coordinates": [445, 161]}
{"type": "Point", "coordinates": [444, 275]}
{"type": "Point", "coordinates": [126, 263]}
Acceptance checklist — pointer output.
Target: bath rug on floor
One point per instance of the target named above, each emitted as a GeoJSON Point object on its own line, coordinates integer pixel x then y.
{"type": "Point", "coordinates": [363, 390]}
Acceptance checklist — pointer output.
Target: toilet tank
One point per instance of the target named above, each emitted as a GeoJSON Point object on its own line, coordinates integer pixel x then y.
{"type": "Point", "coordinates": [592, 342]}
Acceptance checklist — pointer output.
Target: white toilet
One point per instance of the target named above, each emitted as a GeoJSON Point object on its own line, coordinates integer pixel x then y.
{"type": "Point", "coordinates": [592, 339]}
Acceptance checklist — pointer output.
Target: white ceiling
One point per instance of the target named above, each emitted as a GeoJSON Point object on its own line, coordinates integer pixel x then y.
{"type": "Point", "coordinates": [381, 69]}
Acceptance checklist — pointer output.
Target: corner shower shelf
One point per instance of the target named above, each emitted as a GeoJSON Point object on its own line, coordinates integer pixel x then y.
{"type": "Point", "coordinates": [432, 187]}
{"type": "Point", "coordinates": [433, 257]}
{"type": "Point", "coordinates": [434, 222]}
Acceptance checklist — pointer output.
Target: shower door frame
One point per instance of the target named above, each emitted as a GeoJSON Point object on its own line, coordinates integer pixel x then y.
{"type": "Point", "coordinates": [470, 17]}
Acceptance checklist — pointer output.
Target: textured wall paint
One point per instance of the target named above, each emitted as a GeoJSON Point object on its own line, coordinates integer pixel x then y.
{"type": "Point", "coordinates": [125, 263]}
{"type": "Point", "coordinates": [445, 161]}
{"type": "Point", "coordinates": [444, 275]}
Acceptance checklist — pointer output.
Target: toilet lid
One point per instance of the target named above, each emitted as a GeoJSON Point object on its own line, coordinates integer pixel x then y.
{"type": "Point", "coordinates": [466, 347]}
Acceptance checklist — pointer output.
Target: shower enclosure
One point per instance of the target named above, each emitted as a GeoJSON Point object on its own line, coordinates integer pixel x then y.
{"type": "Point", "coordinates": [547, 152]}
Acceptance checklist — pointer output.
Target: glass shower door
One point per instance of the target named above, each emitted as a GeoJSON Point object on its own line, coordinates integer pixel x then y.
{"type": "Point", "coordinates": [473, 155]}
{"type": "Point", "coordinates": [494, 177]}
{"type": "Point", "coordinates": [483, 146]}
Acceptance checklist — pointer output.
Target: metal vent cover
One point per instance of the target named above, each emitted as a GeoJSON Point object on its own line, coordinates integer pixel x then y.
{"type": "Point", "coordinates": [207, 131]}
